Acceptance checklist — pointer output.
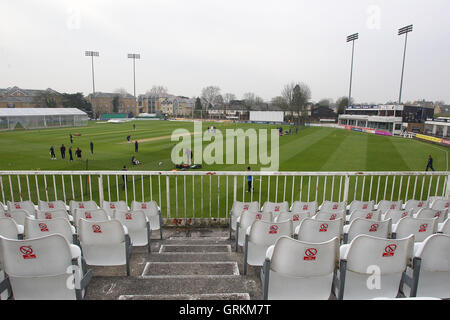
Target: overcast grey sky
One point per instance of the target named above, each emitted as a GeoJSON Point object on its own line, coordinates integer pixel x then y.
{"type": "Point", "coordinates": [241, 46]}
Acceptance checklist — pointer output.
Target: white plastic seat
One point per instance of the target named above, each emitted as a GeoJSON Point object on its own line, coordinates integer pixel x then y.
{"type": "Point", "coordinates": [110, 206]}
{"type": "Point", "coordinates": [372, 267]}
{"type": "Point", "coordinates": [26, 205]}
{"type": "Point", "coordinates": [260, 236]}
{"type": "Point", "coordinates": [34, 228]}
{"type": "Point", "coordinates": [385, 205]}
{"type": "Point", "coordinates": [440, 204]}
{"type": "Point", "coordinates": [237, 209]}
{"type": "Point", "coordinates": [245, 220]}
{"type": "Point", "coordinates": [329, 215]}
{"type": "Point", "coordinates": [137, 225]}
{"type": "Point", "coordinates": [295, 217]}
{"type": "Point", "coordinates": [430, 272]}
{"type": "Point", "coordinates": [298, 270]}
{"type": "Point", "coordinates": [380, 229]}
{"type": "Point", "coordinates": [444, 227]}
{"type": "Point", "coordinates": [333, 206]}
{"type": "Point", "coordinates": [18, 215]}
{"type": "Point", "coordinates": [86, 205]}
{"type": "Point", "coordinates": [90, 215]}
{"type": "Point", "coordinates": [105, 243]}
{"type": "Point", "coordinates": [415, 205]}
{"type": "Point", "coordinates": [53, 213]}
{"type": "Point", "coordinates": [361, 205]}
{"type": "Point", "coordinates": [396, 215]}
{"type": "Point", "coordinates": [298, 206]}
{"type": "Point", "coordinates": [314, 230]}
{"type": "Point", "coordinates": [42, 268]}
{"type": "Point", "coordinates": [428, 213]}
{"type": "Point", "coordinates": [152, 212]}
{"type": "Point", "coordinates": [420, 228]}
{"type": "Point", "coordinates": [51, 205]}
{"type": "Point", "coordinates": [10, 229]}
{"type": "Point", "coordinates": [360, 213]}
{"type": "Point", "coordinates": [275, 207]}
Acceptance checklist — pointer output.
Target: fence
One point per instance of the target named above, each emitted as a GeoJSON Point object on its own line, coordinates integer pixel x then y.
{"type": "Point", "coordinates": [199, 196]}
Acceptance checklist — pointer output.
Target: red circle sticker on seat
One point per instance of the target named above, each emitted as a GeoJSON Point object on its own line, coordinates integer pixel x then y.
{"type": "Point", "coordinates": [27, 252]}
{"type": "Point", "coordinates": [389, 250]}
{"type": "Point", "coordinates": [96, 228]}
{"type": "Point", "coordinates": [310, 254]}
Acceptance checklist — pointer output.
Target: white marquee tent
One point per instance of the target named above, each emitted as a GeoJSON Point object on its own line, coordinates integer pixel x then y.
{"type": "Point", "coordinates": [37, 118]}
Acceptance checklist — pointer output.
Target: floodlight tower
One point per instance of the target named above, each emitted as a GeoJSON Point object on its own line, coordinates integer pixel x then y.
{"type": "Point", "coordinates": [405, 31]}
{"type": "Point", "coordinates": [351, 38]}
{"type": "Point", "coordinates": [92, 54]}
{"type": "Point", "coordinates": [134, 56]}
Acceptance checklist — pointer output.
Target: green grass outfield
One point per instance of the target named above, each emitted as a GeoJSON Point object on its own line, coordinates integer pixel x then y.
{"type": "Point", "coordinates": [312, 149]}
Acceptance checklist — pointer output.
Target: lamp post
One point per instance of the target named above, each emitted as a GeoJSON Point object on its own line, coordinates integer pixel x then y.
{"type": "Point", "coordinates": [134, 56]}
{"type": "Point", "coordinates": [351, 38]}
{"type": "Point", "coordinates": [93, 54]}
{"type": "Point", "coordinates": [404, 30]}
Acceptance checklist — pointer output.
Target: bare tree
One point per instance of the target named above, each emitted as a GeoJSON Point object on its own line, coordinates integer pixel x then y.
{"type": "Point", "coordinates": [301, 96]}
{"type": "Point", "coordinates": [157, 91]}
{"type": "Point", "coordinates": [211, 95]}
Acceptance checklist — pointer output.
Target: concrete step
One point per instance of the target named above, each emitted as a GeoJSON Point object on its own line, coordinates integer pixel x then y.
{"type": "Point", "coordinates": [213, 296]}
{"type": "Point", "coordinates": [197, 240]}
{"type": "Point", "coordinates": [108, 288]}
{"type": "Point", "coordinates": [176, 269]}
{"type": "Point", "coordinates": [189, 257]}
{"type": "Point", "coordinates": [195, 248]}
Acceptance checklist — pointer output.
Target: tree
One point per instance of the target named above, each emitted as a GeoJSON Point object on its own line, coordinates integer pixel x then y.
{"type": "Point", "coordinates": [280, 102]}
{"type": "Point", "coordinates": [157, 91]}
{"type": "Point", "coordinates": [297, 96]}
{"type": "Point", "coordinates": [77, 100]}
{"type": "Point", "coordinates": [342, 103]}
{"type": "Point", "coordinates": [48, 99]}
{"type": "Point", "coordinates": [115, 103]}
{"type": "Point", "coordinates": [211, 96]}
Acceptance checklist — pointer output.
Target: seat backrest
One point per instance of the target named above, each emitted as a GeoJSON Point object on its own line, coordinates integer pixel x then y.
{"type": "Point", "coordinates": [266, 233]}
{"type": "Point", "coordinates": [275, 207]}
{"type": "Point", "coordinates": [361, 213]}
{"type": "Point", "coordinates": [18, 215]}
{"type": "Point", "coordinates": [239, 206]}
{"type": "Point", "coordinates": [298, 206]}
{"type": "Point", "coordinates": [39, 257]}
{"type": "Point", "coordinates": [86, 205]}
{"type": "Point", "coordinates": [314, 230]}
{"type": "Point", "coordinates": [445, 229]}
{"type": "Point", "coordinates": [51, 214]}
{"type": "Point", "coordinates": [328, 215]}
{"type": "Point", "coordinates": [440, 204]}
{"type": "Point", "coordinates": [304, 259]}
{"type": "Point", "coordinates": [90, 215]}
{"type": "Point", "coordinates": [110, 206]}
{"type": "Point", "coordinates": [420, 228]}
{"type": "Point", "coordinates": [435, 253]}
{"type": "Point", "coordinates": [296, 217]}
{"type": "Point", "coordinates": [150, 208]}
{"type": "Point", "coordinates": [361, 205]}
{"type": "Point", "coordinates": [380, 229]}
{"type": "Point", "coordinates": [34, 228]}
{"type": "Point", "coordinates": [385, 205]}
{"type": "Point", "coordinates": [396, 215]}
{"type": "Point", "coordinates": [428, 213]}
{"type": "Point", "coordinates": [416, 205]}
{"type": "Point", "coordinates": [390, 255]}
{"type": "Point", "coordinates": [22, 205]}
{"type": "Point", "coordinates": [51, 205]}
{"type": "Point", "coordinates": [107, 232]}
{"type": "Point", "coordinates": [8, 228]}
{"type": "Point", "coordinates": [133, 220]}
{"type": "Point", "coordinates": [333, 206]}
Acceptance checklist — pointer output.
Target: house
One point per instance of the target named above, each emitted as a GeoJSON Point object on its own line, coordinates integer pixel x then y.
{"type": "Point", "coordinates": [15, 97]}
{"type": "Point", "coordinates": [104, 103]}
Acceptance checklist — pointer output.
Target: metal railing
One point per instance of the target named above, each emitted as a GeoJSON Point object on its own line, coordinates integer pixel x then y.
{"type": "Point", "coordinates": [200, 196]}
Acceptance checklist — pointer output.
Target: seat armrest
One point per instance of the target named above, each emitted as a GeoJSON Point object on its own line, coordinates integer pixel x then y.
{"type": "Point", "coordinates": [269, 252]}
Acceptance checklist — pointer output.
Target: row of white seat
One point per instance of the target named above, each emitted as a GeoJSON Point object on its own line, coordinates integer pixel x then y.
{"type": "Point", "coordinates": [262, 229]}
